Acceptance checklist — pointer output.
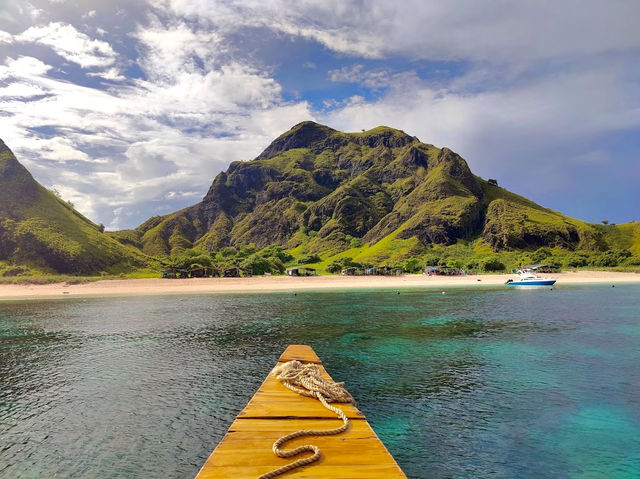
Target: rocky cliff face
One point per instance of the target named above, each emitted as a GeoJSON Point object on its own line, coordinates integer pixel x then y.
{"type": "Point", "coordinates": [334, 186]}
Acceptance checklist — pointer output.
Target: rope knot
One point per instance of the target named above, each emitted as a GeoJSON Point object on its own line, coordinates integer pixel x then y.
{"type": "Point", "coordinates": [309, 376]}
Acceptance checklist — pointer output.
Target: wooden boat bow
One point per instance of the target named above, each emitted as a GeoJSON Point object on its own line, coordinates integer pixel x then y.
{"type": "Point", "coordinates": [273, 411]}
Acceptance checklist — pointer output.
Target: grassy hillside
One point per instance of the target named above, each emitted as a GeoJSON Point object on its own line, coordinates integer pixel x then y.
{"type": "Point", "coordinates": [319, 197]}
{"type": "Point", "coordinates": [40, 231]}
{"type": "Point", "coordinates": [375, 197]}
{"type": "Point", "coordinates": [623, 237]}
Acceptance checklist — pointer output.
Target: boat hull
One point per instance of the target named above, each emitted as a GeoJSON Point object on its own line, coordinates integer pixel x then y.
{"type": "Point", "coordinates": [541, 282]}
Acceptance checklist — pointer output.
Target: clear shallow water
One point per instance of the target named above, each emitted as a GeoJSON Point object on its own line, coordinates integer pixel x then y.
{"type": "Point", "coordinates": [471, 384]}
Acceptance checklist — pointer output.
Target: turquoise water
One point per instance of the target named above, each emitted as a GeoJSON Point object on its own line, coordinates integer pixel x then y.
{"type": "Point", "coordinates": [474, 383]}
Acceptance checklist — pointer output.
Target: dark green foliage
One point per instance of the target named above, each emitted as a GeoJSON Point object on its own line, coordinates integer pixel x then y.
{"type": "Point", "coordinates": [576, 260]}
{"type": "Point", "coordinates": [257, 265]}
{"type": "Point", "coordinates": [247, 250]}
{"type": "Point", "coordinates": [540, 255]}
{"type": "Point", "coordinates": [268, 260]}
{"type": "Point", "coordinates": [191, 258]}
{"type": "Point", "coordinates": [353, 242]}
{"type": "Point", "coordinates": [412, 265]}
{"type": "Point", "coordinates": [342, 263]}
{"type": "Point", "coordinates": [308, 259]}
{"type": "Point", "coordinates": [456, 263]}
{"type": "Point", "coordinates": [610, 258]}
{"type": "Point", "coordinates": [490, 264]}
{"type": "Point", "coordinates": [471, 265]}
{"type": "Point", "coordinates": [226, 252]}
{"type": "Point", "coordinates": [276, 251]}
{"type": "Point", "coordinates": [11, 271]}
{"type": "Point", "coordinates": [431, 260]}
{"type": "Point", "coordinates": [632, 261]}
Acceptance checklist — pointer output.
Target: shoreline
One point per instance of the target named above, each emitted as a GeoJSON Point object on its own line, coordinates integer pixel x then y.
{"type": "Point", "coordinates": [270, 284]}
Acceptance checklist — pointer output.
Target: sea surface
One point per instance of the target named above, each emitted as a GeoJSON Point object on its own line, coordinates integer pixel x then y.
{"type": "Point", "coordinates": [474, 383]}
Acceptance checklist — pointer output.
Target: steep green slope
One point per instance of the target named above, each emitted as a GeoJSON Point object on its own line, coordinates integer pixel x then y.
{"type": "Point", "coordinates": [622, 237]}
{"type": "Point", "coordinates": [379, 194]}
{"type": "Point", "coordinates": [513, 222]}
{"type": "Point", "coordinates": [41, 231]}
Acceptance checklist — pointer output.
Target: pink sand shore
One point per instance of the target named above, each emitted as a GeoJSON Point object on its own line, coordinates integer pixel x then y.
{"type": "Point", "coordinates": [136, 287]}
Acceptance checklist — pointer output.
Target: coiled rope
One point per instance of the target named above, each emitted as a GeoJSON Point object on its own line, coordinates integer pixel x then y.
{"type": "Point", "coordinates": [293, 374]}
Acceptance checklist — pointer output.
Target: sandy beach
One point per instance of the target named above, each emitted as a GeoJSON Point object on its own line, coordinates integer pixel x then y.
{"type": "Point", "coordinates": [136, 287]}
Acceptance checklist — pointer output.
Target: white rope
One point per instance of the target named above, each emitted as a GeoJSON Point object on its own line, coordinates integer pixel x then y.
{"type": "Point", "coordinates": [294, 374]}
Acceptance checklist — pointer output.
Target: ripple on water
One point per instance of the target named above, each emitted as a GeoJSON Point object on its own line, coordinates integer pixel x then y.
{"type": "Point", "coordinates": [466, 385]}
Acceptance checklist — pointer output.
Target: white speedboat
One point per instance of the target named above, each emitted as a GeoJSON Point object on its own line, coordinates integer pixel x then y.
{"type": "Point", "coordinates": [527, 277]}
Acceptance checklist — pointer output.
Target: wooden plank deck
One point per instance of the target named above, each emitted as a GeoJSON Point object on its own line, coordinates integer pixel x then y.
{"type": "Point", "coordinates": [274, 410]}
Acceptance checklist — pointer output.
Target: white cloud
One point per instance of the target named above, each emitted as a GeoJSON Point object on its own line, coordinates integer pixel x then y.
{"type": "Point", "coordinates": [71, 44]}
{"type": "Point", "coordinates": [21, 90]}
{"type": "Point", "coordinates": [156, 139]}
{"type": "Point", "coordinates": [373, 79]}
{"type": "Point", "coordinates": [5, 37]}
{"type": "Point", "coordinates": [172, 48]}
{"type": "Point", "coordinates": [58, 149]}
{"type": "Point", "coordinates": [112, 74]}
{"type": "Point", "coordinates": [24, 67]}
{"type": "Point", "coordinates": [330, 22]}
{"type": "Point", "coordinates": [494, 31]}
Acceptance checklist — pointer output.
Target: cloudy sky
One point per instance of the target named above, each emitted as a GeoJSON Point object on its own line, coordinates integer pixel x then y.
{"type": "Point", "coordinates": [129, 108]}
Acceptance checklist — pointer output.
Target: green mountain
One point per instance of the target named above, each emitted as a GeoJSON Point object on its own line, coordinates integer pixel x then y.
{"type": "Point", "coordinates": [377, 195]}
{"type": "Point", "coordinates": [40, 231]}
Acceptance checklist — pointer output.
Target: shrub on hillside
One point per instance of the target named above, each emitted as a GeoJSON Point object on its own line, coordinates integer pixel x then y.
{"type": "Point", "coordinates": [471, 265]}
{"type": "Point", "coordinates": [431, 260]}
{"type": "Point", "coordinates": [226, 252]}
{"type": "Point", "coordinates": [190, 257]}
{"type": "Point", "coordinates": [491, 264]}
{"type": "Point", "coordinates": [341, 263]}
{"type": "Point", "coordinates": [455, 263]}
{"type": "Point", "coordinates": [10, 271]}
{"type": "Point", "coordinates": [576, 260]}
{"type": "Point", "coordinates": [308, 259]}
{"type": "Point", "coordinates": [257, 265]}
{"type": "Point", "coordinates": [632, 261]}
{"type": "Point", "coordinates": [541, 254]}
{"type": "Point", "coordinates": [610, 258]}
{"type": "Point", "coordinates": [247, 250]}
{"type": "Point", "coordinates": [353, 241]}
{"type": "Point", "coordinates": [412, 265]}
{"type": "Point", "coordinates": [275, 251]}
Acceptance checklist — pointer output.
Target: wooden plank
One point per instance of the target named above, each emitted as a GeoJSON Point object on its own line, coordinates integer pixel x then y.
{"type": "Point", "coordinates": [274, 411]}
{"type": "Point", "coordinates": [242, 429]}
{"type": "Point", "coordinates": [300, 352]}
{"type": "Point", "coordinates": [285, 405]}
{"type": "Point", "coordinates": [382, 471]}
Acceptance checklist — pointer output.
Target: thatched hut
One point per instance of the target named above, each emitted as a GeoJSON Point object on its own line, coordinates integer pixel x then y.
{"type": "Point", "coordinates": [236, 272]}
{"type": "Point", "coordinates": [302, 271]}
{"type": "Point", "coordinates": [352, 271]}
{"type": "Point", "coordinates": [442, 271]}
